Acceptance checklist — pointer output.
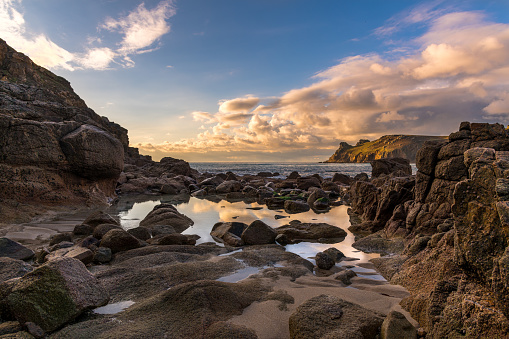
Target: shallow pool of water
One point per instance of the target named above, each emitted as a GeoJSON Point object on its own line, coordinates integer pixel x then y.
{"type": "Point", "coordinates": [206, 213]}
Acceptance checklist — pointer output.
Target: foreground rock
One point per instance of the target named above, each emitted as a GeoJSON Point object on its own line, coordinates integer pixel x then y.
{"type": "Point", "coordinates": [327, 316]}
{"type": "Point", "coordinates": [12, 268]}
{"type": "Point", "coordinates": [55, 294]}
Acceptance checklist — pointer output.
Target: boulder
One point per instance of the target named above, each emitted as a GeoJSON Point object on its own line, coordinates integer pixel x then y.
{"type": "Point", "coordinates": [98, 218]}
{"type": "Point", "coordinates": [69, 290]}
{"type": "Point", "coordinates": [334, 253]}
{"type": "Point", "coordinates": [342, 179]}
{"type": "Point", "coordinates": [228, 187]}
{"type": "Point", "coordinates": [140, 232]}
{"type": "Point", "coordinates": [320, 232]}
{"type": "Point", "coordinates": [103, 255]}
{"type": "Point", "coordinates": [102, 229]}
{"type": "Point", "coordinates": [295, 206]}
{"type": "Point", "coordinates": [167, 214]}
{"type": "Point", "coordinates": [13, 268]}
{"type": "Point", "coordinates": [396, 326]}
{"type": "Point", "coordinates": [14, 250]}
{"type": "Point", "coordinates": [326, 316]}
{"type": "Point", "coordinates": [119, 240]}
{"type": "Point", "coordinates": [229, 232]}
{"type": "Point", "coordinates": [83, 229]}
{"type": "Point", "coordinates": [172, 239]}
{"type": "Point", "coordinates": [345, 276]}
{"type": "Point", "coordinates": [93, 153]}
{"type": "Point", "coordinates": [59, 237]}
{"type": "Point", "coordinates": [226, 330]}
{"type": "Point", "coordinates": [77, 252]}
{"type": "Point", "coordinates": [324, 261]}
{"type": "Point", "coordinates": [400, 166]}
{"type": "Point", "coordinates": [258, 233]}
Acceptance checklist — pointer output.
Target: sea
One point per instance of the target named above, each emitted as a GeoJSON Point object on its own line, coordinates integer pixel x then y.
{"type": "Point", "coordinates": [325, 170]}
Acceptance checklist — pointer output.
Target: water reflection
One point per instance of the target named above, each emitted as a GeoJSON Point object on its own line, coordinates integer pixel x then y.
{"type": "Point", "coordinates": [206, 213]}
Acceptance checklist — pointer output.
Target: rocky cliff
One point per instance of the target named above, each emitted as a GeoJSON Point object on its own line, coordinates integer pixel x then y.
{"type": "Point", "coordinates": [53, 148]}
{"type": "Point", "coordinates": [388, 146]}
{"type": "Point", "coordinates": [448, 231]}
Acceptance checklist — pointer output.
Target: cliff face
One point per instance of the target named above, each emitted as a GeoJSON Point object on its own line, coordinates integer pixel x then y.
{"type": "Point", "coordinates": [388, 146]}
{"type": "Point", "coordinates": [449, 226]}
{"type": "Point", "coordinates": [53, 148]}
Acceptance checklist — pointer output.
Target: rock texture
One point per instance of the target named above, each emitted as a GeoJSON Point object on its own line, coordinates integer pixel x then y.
{"type": "Point", "coordinates": [450, 220]}
{"type": "Point", "coordinates": [388, 146]}
{"type": "Point", "coordinates": [53, 148]}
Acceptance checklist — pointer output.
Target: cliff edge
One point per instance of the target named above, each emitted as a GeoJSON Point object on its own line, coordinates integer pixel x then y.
{"type": "Point", "coordinates": [53, 148]}
{"type": "Point", "coordinates": [388, 146]}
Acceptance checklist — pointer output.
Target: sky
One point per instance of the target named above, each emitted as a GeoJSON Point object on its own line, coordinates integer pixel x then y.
{"type": "Point", "coordinates": [272, 80]}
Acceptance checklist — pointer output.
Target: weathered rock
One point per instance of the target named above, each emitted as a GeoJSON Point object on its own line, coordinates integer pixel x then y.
{"type": "Point", "coordinates": [334, 253]}
{"type": "Point", "coordinates": [328, 316]}
{"type": "Point", "coordinates": [225, 330]}
{"type": "Point", "coordinates": [396, 326]}
{"type": "Point", "coordinates": [119, 240]}
{"type": "Point", "coordinates": [55, 294]}
{"type": "Point", "coordinates": [103, 255]}
{"type": "Point", "coordinates": [98, 218]}
{"type": "Point", "coordinates": [140, 232]}
{"type": "Point", "coordinates": [324, 261]}
{"type": "Point", "coordinates": [13, 268]}
{"type": "Point", "coordinates": [345, 276]}
{"type": "Point", "coordinates": [172, 239]}
{"type": "Point", "coordinates": [296, 206]}
{"type": "Point", "coordinates": [83, 229]}
{"type": "Point", "coordinates": [427, 157]}
{"type": "Point", "coordinates": [228, 186]}
{"type": "Point", "coordinates": [390, 165]}
{"type": "Point", "coordinates": [59, 237]}
{"type": "Point", "coordinates": [311, 231]}
{"type": "Point", "coordinates": [258, 233]}
{"type": "Point", "coordinates": [102, 229]}
{"type": "Point", "coordinates": [80, 253]}
{"type": "Point", "coordinates": [229, 232]}
{"type": "Point", "coordinates": [14, 250]}
{"type": "Point", "coordinates": [167, 214]}
{"type": "Point", "coordinates": [342, 179]}
{"type": "Point", "coordinates": [161, 229]}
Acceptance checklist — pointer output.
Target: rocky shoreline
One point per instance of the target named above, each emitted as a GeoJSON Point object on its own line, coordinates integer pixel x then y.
{"type": "Point", "coordinates": [176, 288]}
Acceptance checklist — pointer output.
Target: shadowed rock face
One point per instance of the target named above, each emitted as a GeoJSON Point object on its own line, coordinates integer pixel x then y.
{"type": "Point", "coordinates": [452, 228]}
{"type": "Point", "coordinates": [53, 148]}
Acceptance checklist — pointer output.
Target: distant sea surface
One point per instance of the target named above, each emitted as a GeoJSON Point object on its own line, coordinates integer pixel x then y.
{"type": "Point", "coordinates": [326, 170]}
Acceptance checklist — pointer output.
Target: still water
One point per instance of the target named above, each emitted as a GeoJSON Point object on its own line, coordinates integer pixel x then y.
{"type": "Point", "coordinates": [206, 213]}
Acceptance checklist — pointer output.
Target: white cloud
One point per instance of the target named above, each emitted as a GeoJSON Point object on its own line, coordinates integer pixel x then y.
{"type": "Point", "coordinates": [140, 29]}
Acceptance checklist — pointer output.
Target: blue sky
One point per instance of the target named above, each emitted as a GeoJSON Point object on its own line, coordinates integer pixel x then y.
{"type": "Point", "coordinates": [271, 80]}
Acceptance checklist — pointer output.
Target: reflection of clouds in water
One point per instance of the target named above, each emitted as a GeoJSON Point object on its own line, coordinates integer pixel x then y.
{"type": "Point", "coordinates": [206, 213]}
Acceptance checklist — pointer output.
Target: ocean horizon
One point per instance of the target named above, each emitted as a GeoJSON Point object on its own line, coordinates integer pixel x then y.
{"type": "Point", "coordinates": [326, 170]}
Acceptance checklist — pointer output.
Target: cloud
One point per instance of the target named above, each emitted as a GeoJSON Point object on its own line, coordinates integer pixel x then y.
{"type": "Point", "coordinates": [457, 70]}
{"type": "Point", "coordinates": [142, 27]}
{"type": "Point", "coordinates": [238, 105]}
{"type": "Point", "coordinates": [140, 30]}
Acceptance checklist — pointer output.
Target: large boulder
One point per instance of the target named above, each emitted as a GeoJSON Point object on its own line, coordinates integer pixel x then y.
{"type": "Point", "coordinates": [55, 293]}
{"type": "Point", "coordinates": [93, 153]}
{"type": "Point", "coordinates": [326, 316]}
{"type": "Point", "coordinates": [321, 232]}
{"type": "Point", "coordinates": [258, 233]}
{"type": "Point", "coordinates": [296, 206]}
{"type": "Point", "coordinates": [119, 240]}
{"type": "Point", "coordinates": [167, 214]}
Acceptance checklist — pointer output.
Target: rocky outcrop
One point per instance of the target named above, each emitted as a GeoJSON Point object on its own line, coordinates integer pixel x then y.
{"type": "Point", "coordinates": [453, 225]}
{"type": "Point", "coordinates": [388, 146]}
{"type": "Point", "coordinates": [53, 148]}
